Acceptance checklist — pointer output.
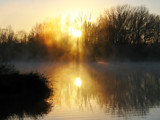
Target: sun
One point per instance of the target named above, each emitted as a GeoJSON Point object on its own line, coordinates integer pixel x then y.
{"type": "Point", "coordinates": [78, 81]}
{"type": "Point", "coordinates": [71, 25]}
{"type": "Point", "coordinates": [76, 33]}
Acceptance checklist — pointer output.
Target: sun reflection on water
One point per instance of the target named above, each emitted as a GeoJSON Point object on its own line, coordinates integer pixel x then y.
{"type": "Point", "coordinates": [94, 90]}
{"type": "Point", "coordinates": [78, 81]}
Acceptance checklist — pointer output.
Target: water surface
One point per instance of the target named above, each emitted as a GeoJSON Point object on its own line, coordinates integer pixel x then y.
{"type": "Point", "coordinates": [108, 90]}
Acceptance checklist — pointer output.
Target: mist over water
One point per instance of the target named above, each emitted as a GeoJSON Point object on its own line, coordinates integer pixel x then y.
{"type": "Point", "coordinates": [107, 91]}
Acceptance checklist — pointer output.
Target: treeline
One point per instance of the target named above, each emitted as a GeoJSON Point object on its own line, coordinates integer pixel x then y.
{"type": "Point", "coordinates": [39, 45]}
{"type": "Point", "coordinates": [127, 33]}
{"type": "Point", "coordinates": [120, 33]}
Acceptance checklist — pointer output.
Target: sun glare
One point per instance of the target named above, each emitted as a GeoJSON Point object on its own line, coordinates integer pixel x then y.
{"type": "Point", "coordinates": [78, 81]}
{"type": "Point", "coordinates": [76, 33]}
{"type": "Point", "coordinates": [70, 25]}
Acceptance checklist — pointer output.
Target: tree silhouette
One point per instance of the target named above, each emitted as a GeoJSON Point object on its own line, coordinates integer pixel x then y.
{"type": "Point", "coordinates": [120, 33]}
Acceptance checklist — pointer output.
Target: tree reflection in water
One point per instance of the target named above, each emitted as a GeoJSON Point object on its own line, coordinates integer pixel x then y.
{"type": "Point", "coordinates": [117, 90]}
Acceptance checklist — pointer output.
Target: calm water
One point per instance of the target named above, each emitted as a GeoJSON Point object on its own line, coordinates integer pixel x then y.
{"type": "Point", "coordinates": [107, 91]}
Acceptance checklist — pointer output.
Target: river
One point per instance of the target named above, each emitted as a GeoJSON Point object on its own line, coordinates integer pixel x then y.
{"type": "Point", "coordinates": [113, 91]}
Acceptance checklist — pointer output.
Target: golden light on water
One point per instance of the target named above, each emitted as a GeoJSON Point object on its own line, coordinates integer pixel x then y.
{"type": "Point", "coordinates": [78, 81]}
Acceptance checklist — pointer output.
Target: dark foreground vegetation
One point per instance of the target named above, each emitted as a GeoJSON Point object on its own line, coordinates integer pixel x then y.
{"type": "Point", "coordinates": [120, 33]}
{"type": "Point", "coordinates": [23, 95]}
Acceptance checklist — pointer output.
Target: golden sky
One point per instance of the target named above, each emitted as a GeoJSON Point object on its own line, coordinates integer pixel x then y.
{"type": "Point", "coordinates": [24, 14]}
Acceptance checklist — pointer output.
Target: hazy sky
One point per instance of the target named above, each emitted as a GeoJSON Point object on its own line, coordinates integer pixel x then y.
{"type": "Point", "coordinates": [24, 14]}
